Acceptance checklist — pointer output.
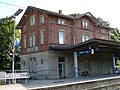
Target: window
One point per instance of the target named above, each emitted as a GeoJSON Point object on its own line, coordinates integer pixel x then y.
{"type": "Point", "coordinates": [102, 30]}
{"type": "Point", "coordinates": [41, 61]}
{"type": "Point", "coordinates": [61, 21]}
{"type": "Point", "coordinates": [32, 20]}
{"type": "Point", "coordinates": [24, 41]}
{"type": "Point", "coordinates": [42, 36]}
{"type": "Point", "coordinates": [61, 37]}
{"type": "Point", "coordinates": [85, 24]}
{"type": "Point", "coordinates": [85, 37]}
{"type": "Point", "coordinates": [34, 64]}
{"type": "Point", "coordinates": [103, 37]}
{"type": "Point", "coordinates": [30, 65]}
{"type": "Point", "coordinates": [24, 28]}
{"type": "Point", "coordinates": [42, 19]}
{"type": "Point", "coordinates": [32, 40]}
{"type": "Point", "coordinates": [33, 37]}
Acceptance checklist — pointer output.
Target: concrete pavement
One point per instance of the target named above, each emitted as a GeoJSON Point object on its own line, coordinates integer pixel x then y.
{"type": "Point", "coordinates": [37, 84]}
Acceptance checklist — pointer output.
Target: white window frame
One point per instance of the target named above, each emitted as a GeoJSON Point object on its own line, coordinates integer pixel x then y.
{"type": "Point", "coordinates": [34, 64]}
{"type": "Point", "coordinates": [103, 38]}
{"type": "Point", "coordinates": [42, 36]}
{"type": "Point", "coordinates": [33, 37]}
{"type": "Point", "coordinates": [103, 30]}
{"type": "Point", "coordinates": [24, 28]}
{"type": "Point", "coordinates": [24, 41]}
{"type": "Point", "coordinates": [42, 19]}
{"type": "Point", "coordinates": [30, 65]}
{"type": "Point", "coordinates": [32, 20]}
{"type": "Point", "coordinates": [85, 37]}
{"type": "Point", "coordinates": [61, 37]}
{"type": "Point", "coordinates": [61, 21]}
{"type": "Point", "coordinates": [32, 40]}
{"type": "Point", "coordinates": [85, 24]}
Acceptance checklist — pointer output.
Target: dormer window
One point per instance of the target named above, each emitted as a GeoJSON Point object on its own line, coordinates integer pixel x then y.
{"type": "Point", "coordinates": [32, 20]}
{"type": "Point", "coordinates": [61, 21]}
{"type": "Point", "coordinates": [42, 19]}
{"type": "Point", "coordinates": [85, 24]}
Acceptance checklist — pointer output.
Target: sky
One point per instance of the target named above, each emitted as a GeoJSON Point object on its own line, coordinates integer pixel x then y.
{"type": "Point", "coordinates": [106, 9]}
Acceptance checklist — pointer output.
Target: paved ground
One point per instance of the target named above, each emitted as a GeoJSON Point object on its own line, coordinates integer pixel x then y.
{"type": "Point", "coordinates": [36, 84]}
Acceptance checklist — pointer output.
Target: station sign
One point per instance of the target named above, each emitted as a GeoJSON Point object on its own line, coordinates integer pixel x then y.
{"type": "Point", "coordinates": [88, 51]}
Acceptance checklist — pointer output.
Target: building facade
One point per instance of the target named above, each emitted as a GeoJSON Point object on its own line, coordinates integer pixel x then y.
{"type": "Point", "coordinates": [54, 45]}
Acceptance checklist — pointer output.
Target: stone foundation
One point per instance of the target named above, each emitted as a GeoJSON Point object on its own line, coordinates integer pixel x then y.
{"type": "Point", "coordinates": [47, 64]}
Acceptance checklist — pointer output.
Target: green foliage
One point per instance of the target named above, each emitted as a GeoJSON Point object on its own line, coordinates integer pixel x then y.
{"type": "Point", "coordinates": [115, 35]}
{"type": "Point", "coordinates": [118, 64]}
{"type": "Point", "coordinates": [18, 34]}
{"type": "Point", "coordinates": [75, 14]}
{"type": "Point", "coordinates": [6, 42]}
{"type": "Point", "coordinates": [104, 23]}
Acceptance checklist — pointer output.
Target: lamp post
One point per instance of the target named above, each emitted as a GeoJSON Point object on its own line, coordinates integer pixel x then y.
{"type": "Point", "coordinates": [13, 57]}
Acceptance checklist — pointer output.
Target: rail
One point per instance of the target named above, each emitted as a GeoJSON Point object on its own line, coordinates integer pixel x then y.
{"type": "Point", "coordinates": [46, 74]}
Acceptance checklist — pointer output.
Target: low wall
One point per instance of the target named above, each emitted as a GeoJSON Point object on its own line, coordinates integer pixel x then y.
{"type": "Point", "coordinates": [2, 82]}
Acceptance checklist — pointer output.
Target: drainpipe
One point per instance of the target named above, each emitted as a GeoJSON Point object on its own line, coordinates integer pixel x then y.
{"type": "Point", "coordinates": [113, 62]}
{"type": "Point", "coordinates": [74, 38]}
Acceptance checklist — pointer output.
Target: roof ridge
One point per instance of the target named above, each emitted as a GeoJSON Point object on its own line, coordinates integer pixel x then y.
{"type": "Point", "coordinates": [48, 11]}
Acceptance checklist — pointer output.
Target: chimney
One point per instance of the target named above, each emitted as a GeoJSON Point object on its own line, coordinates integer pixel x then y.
{"type": "Point", "coordinates": [60, 11]}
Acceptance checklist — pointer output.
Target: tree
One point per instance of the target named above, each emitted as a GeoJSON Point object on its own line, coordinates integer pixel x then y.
{"type": "Point", "coordinates": [6, 42]}
{"type": "Point", "coordinates": [75, 14]}
{"type": "Point", "coordinates": [18, 34]}
{"type": "Point", "coordinates": [104, 23]}
{"type": "Point", "coordinates": [115, 35]}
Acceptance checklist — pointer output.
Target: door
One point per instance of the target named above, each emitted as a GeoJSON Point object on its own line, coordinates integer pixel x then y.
{"type": "Point", "coordinates": [61, 67]}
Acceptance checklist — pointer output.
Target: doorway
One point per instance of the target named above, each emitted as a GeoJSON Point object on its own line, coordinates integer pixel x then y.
{"type": "Point", "coordinates": [61, 67]}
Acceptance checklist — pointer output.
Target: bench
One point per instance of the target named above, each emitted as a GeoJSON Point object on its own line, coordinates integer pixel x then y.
{"type": "Point", "coordinates": [9, 76]}
{"type": "Point", "coordinates": [3, 76]}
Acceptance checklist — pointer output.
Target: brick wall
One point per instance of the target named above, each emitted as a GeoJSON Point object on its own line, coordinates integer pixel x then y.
{"type": "Point", "coordinates": [51, 29]}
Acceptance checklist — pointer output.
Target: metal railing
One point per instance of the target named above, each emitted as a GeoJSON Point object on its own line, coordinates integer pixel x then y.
{"type": "Point", "coordinates": [45, 74]}
{"type": "Point", "coordinates": [16, 71]}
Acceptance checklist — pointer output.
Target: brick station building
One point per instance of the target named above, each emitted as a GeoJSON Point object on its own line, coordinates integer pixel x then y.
{"type": "Point", "coordinates": [54, 45]}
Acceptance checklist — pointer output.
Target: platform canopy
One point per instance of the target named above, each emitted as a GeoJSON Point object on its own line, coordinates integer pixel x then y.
{"type": "Point", "coordinates": [99, 45]}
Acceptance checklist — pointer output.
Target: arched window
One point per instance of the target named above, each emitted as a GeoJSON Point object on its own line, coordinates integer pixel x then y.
{"type": "Point", "coordinates": [34, 64]}
{"type": "Point", "coordinates": [30, 65]}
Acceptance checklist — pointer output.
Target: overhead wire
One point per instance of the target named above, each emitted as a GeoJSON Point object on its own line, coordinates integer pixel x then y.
{"type": "Point", "coordinates": [11, 4]}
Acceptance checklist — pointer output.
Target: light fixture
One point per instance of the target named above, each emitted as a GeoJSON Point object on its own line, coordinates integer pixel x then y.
{"type": "Point", "coordinates": [13, 58]}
